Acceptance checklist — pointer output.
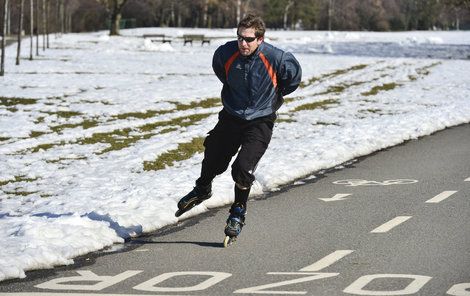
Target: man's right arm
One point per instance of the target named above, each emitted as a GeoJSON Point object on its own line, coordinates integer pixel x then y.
{"type": "Point", "coordinates": [218, 66]}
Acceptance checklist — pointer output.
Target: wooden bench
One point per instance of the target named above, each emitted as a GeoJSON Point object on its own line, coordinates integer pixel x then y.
{"type": "Point", "coordinates": [157, 38]}
{"type": "Point", "coordinates": [190, 37]}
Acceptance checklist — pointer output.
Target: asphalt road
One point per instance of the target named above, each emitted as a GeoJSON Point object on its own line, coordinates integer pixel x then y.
{"type": "Point", "coordinates": [393, 223]}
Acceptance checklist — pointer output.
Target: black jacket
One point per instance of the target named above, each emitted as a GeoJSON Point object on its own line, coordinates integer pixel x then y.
{"type": "Point", "coordinates": [254, 86]}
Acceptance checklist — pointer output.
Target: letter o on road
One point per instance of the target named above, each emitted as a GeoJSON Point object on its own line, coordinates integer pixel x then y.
{"type": "Point", "coordinates": [357, 288]}
{"type": "Point", "coordinates": [460, 290]}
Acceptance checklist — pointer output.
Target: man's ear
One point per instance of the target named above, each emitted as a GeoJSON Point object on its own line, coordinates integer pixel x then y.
{"type": "Point", "coordinates": [260, 40]}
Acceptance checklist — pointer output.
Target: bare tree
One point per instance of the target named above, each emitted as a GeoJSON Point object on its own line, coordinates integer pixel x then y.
{"type": "Point", "coordinates": [43, 25]}
{"type": "Point", "coordinates": [4, 35]}
{"type": "Point", "coordinates": [47, 22]}
{"type": "Point", "coordinates": [286, 12]}
{"type": "Point", "coordinates": [330, 13]}
{"type": "Point", "coordinates": [114, 9]}
{"type": "Point", "coordinates": [31, 28]}
{"type": "Point", "coordinates": [8, 16]}
{"type": "Point", "coordinates": [20, 31]}
{"type": "Point", "coordinates": [37, 26]}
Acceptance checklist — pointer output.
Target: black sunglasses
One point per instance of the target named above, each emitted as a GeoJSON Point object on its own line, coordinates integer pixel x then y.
{"type": "Point", "coordinates": [247, 39]}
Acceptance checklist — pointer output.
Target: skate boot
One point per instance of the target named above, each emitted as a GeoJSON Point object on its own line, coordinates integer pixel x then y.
{"type": "Point", "coordinates": [193, 198]}
{"type": "Point", "coordinates": [235, 223]}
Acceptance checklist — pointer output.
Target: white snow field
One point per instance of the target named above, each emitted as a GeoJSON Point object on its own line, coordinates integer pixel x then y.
{"type": "Point", "coordinates": [100, 136]}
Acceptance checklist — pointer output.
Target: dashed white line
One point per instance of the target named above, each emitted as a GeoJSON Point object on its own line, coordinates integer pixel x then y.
{"type": "Point", "coordinates": [467, 180]}
{"type": "Point", "coordinates": [337, 197]}
{"type": "Point", "coordinates": [327, 261]}
{"type": "Point", "coordinates": [441, 196]}
{"type": "Point", "coordinates": [390, 224]}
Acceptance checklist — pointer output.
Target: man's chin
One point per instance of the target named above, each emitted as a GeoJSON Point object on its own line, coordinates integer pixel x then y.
{"type": "Point", "coordinates": [244, 52]}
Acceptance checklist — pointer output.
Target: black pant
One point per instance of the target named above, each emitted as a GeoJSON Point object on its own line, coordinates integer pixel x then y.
{"type": "Point", "coordinates": [223, 142]}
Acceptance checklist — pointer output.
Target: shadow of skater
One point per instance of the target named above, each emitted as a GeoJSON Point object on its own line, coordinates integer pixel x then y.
{"type": "Point", "coordinates": [202, 244]}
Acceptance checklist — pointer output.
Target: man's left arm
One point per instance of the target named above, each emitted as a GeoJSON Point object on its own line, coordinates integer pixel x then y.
{"type": "Point", "coordinates": [290, 74]}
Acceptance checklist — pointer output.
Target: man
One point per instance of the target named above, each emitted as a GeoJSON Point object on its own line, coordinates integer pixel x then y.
{"type": "Point", "coordinates": [255, 77]}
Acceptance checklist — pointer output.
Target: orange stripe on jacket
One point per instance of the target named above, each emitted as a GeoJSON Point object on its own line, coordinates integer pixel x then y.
{"type": "Point", "coordinates": [229, 63]}
{"type": "Point", "coordinates": [269, 68]}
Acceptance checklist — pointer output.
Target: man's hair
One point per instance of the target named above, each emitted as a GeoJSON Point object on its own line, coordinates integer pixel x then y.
{"type": "Point", "coordinates": [253, 21]}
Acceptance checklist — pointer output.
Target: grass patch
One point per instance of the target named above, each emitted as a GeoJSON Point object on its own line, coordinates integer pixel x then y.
{"type": "Point", "coordinates": [315, 105]}
{"type": "Point", "coordinates": [207, 103]}
{"type": "Point", "coordinates": [141, 115]}
{"type": "Point", "coordinates": [9, 102]}
{"type": "Point", "coordinates": [64, 114]}
{"type": "Point", "coordinates": [180, 121]}
{"type": "Point", "coordinates": [332, 74]}
{"type": "Point", "coordinates": [183, 152]}
{"type": "Point", "coordinates": [374, 111]}
{"type": "Point", "coordinates": [44, 147]}
{"type": "Point", "coordinates": [285, 120]}
{"type": "Point", "coordinates": [326, 123]}
{"type": "Point", "coordinates": [21, 193]}
{"type": "Point", "coordinates": [384, 87]}
{"type": "Point", "coordinates": [86, 124]}
{"type": "Point", "coordinates": [424, 71]}
{"type": "Point", "coordinates": [35, 134]}
{"type": "Point", "coordinates": [123, 138]}
{"type": "Point", "coordinates": [17, 180]}
{"type": "Point", "coordinates": [117, 139]}
{"type": "Point", "coordinates": [58, 160]}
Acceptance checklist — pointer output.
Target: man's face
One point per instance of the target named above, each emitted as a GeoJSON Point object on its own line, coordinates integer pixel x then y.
{"type": "Point", "coordinates": [247, 41]}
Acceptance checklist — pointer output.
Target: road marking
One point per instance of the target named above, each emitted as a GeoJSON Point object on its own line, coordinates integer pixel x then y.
{"type": "Point", "coordinates": [467, 180]}
{"type": "Point", "coordinates": [390, 224]}
{"type": "Point", "coordinates": [75, 294]}
{"type": "Point", "coordinates": [327, 261]}
{"type": "Point", "coordinates": [337, 197]}
{"type": "Point", "coordinates": [360, 182]}
{"type": "Point", "coordinates": [359, 286]}
{"type": "Point", "coordinates": [87, 281]}
{"type": "Point", "coordinates": [441, 196]}
{"type": "Point", "coordinates": [213, 278]}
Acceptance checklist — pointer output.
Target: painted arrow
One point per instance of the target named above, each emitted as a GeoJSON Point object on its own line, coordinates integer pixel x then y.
{"type": "Point", "coordinates": [337, 197]}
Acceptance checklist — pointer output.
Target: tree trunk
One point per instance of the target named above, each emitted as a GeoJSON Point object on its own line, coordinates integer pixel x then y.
{"type": "Point", "coordinates": [4, 35]}
{"type": "Point", "coordinates": [37, 27]}
{"type": "Point", "coordinates": [239, 6]}
{"type": "Point", "coordinates": [20, 30]}
{"type": "Point", "coordinates": [62, 17]}
{"type": "Point", "coordinates": [330, 14]}
{"type": "Point", "coordinates": [43, 24]}
{"type": "Point", "coordinates": [8, 16]}
{"type": "Point", "coordinates": [286, 12]}
{"type": "Point", "coordinates": [47, 22]}
{"type": "Point", "coordinates": [205, 8]}
{"type": "Point", "coordinates": [31, 29]}
{"type": "Point", "coordinates": [116, 7]}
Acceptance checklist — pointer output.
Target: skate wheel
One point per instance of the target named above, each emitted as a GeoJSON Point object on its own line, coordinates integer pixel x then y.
{"type": "Point", "coordinates": [229, 240]}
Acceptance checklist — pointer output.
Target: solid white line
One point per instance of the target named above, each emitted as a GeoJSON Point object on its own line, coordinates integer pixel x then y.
{"type": "Point", "coordinates": [391, 224]}
{"type": "Point", "coordinates": [327, 261]}
{"type": "Point", "coordinates": [441, 196]}
{"type": "Point", "coordinates": [74, 294]}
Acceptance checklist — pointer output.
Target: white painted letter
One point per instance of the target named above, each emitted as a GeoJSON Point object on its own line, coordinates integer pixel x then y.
{"type": "Point", "coordinates": [337, 197]}
{"type": "Point", "coordinates": [214, 278]}
{"type": "Point", "coordinates": [327, 261]}
{"type": "Point", "coordinates": [310, 277]}
{"type": "Point", "coordinates": [87, 276]}
{"type": "Point", "coordinates": [460, 290]}
{"type": "Point", "coordinates": [418, 282]}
